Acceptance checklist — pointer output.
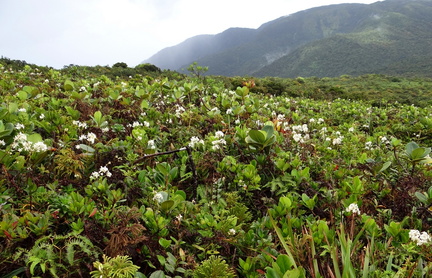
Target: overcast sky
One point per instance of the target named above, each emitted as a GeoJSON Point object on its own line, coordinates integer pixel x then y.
{"type": "Point", "coordinates": [102, 32]}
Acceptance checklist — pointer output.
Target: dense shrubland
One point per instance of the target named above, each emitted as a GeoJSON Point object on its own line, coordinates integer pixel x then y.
{"type": "Point", "coordinates": [158, 174]}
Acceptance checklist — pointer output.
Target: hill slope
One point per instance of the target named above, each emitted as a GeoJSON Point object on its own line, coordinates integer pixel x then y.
{"type": "Point", "coordinates": [389, 37]}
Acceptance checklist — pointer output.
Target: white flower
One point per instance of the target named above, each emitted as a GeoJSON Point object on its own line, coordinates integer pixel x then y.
{"type": "Point", "coordinates": [384, 140]}
{"type": "Point", "coordinates": [320, 120]}
{"type": "Point", "coordinates": [151, 144]}
{"type": "Point", "coordinates": [180, 110]}
{"type": "Point", "coordinates": [83, 89]}
{"type": "Point", "coordinates": [2, 143]}
{"type": "Point", "coordinates": [280, 117]}
{"type": "Point", "coordinates": [419, 238]}
{"type": "Point", "coordinates": [237, 121]}
{"type": "Point", "coordinates": [219, 134]}
{"type": "Point", "coordinates": [312, 120]}
{"type": "Point", "coordinates": [231, 232]}
{"type": "Point", "coordinates": [337, 141]}
{"type": "Point", "coordinates": [41, 116]}
{"type": "Point", "coordinates": [103, 169]}
{"type": "Point", "coordinates": [229, 111]}
{"type": "Point", "coordinates": [297, 137]}
{"type": "Point", "coordinates": [353, 208]}
{"type": "Point", "coordinates": [94, 175]}
{"type": "Point", "coordinates": [368, 145]}
{"type": "Point", "coordinates": [195, 141]}
{"type": "Point", "coordinates": [146, 124]}
{"type": "Point", "coordinates": [217, 144]}
{"type": "Point", "coordinates": [135, 124]}
{"type": "Point", "coordinates": [19, 126]}
{"type": "Point", "coordinates": [22, 110]}
{"type": "Point", "coordinates": [158, 197]}
{"type": "Point", "coordinates": [91, 137]}
{"type": "Point", "coordinates": [40, 147]}
{"type": "Point", "coordinates": [351, 129]}
{"type": "Point", "coordinates": [79, 124]}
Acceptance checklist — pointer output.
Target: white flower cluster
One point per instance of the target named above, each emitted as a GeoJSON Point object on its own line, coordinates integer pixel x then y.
{"type": "Point", "coordinates": [20, 143]}
{"type": "Point", "coordinates": [219, 134]}
{"type": "Point", "coordinates": [103, 171]}
{"type": "Point", "coordinates": [384, 140]}
{"type": "Point", "coordinates": [231, 232]}
{"type": "Point", "coordinates": [369, 145]}
{"type": "Point", "coordinates": [280, 117]}
{"type": "Point", "coordinates": [79, 124]}
{"type": "Point", "coordinates": [338, 140]}
{"type": "Point", "coordinates": [353, 208]}
{"type": "Point", "coordinates": [297, 131]}
{"type": "Point", "coordinates": [19, 126]}
{"type": "Point", "coordinates": [151, 144]}
{"type": "Point", "coordinates": [136, 124]}
{"type": "Point", "coordinates": [419, 238]}
{"type": "Point", "coordinates": [179, 110]}
{"type": "Point", "coordinates": [90, 137]}
{"type": "Point", "coordinates": [195, 141]}
{"type": "Point", "coordinates": [217, 144]}
{"type": "Point", "coordinates": [158, 197]}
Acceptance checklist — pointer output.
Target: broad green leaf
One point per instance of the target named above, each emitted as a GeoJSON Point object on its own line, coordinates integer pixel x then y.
{"type": "Point", "coordinates": [86, 148]}
{"type": "Point", "coordinates": [34, 138]}
{"type": "Point", "coordinates": [3, 112]}
{"type": "Point", "coordinates": [22, 95]}
{"type": "Point", "coordinates": [68, 85]}
{"type": "Point", "coordinates": [269, 130]}
{"type": "Point", "coordinates": [257, 136]}
{"type": "Point", "coordinates": [165, 206]}
{"type": "Point", "coordinates": [422, 198]}
{"type": "Point", "coordinates": [410, 147]}
{"type": "Point", "coordinates": [181, 193]}
{"type": "Point", "coordinates": [158, 274]}
{"type": "Point", "coordinates": [165, 243]}
{"type": "Point", "coordinates": [32, 91]}
{"type": "Point", "coordinates": [271, 273]}
{"type": "Point", "coordinates": [418, 153]}
{"type": "Point", "coordinates": [385, 166]}
{"type": "Point", "coordinates": [284, 263]}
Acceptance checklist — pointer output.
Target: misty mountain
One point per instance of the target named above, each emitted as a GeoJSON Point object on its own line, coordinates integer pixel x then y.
{"type": "Point", "coordinates": [388, 37]}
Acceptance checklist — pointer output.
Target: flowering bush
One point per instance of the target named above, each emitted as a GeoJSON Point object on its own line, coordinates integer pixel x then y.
{"type": "Point", "coordinates": [170, 171]}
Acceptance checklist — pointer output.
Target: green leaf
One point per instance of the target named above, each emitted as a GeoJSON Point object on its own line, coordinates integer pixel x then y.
{"type": "Point", "coordinates": [22, 95]}
{"type": "Point", "coordinates": [422, 198]}
{"type": "Point", "coordinates": [34, 138]}
{"type": "Point", "coordinates": [165, 243]}
{"type": "Point", "coordinates": [68, 85]}
{"type": "Point", "coordinates": [158, 274]}
{"type": "Point", "coordinates": [284, 263]}
{"type": "Point", "coordinates": [165, 206]}
{"type": "Point", "coordinates": [419, 153]}
{"type": "Point", "coordinates": [271, 273]}
{"type": "Point", "coordinates": [385, 166]}
{"type": "Point", "coordinates": [32, 91]}
{"type": "Point", "coordinates": [269, 131]}
{"type": "Point", "coordinates": [3, 112]}
{"type": "Point", "coordinates": [86, 148]}
{"type": "Point", "coordinates": [257, 136]}
{"type": "Point", "coordinates": [144, 104]}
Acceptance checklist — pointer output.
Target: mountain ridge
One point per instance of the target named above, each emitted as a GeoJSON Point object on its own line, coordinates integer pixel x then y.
{"type": "Point", "coordinates": [322, 41]}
